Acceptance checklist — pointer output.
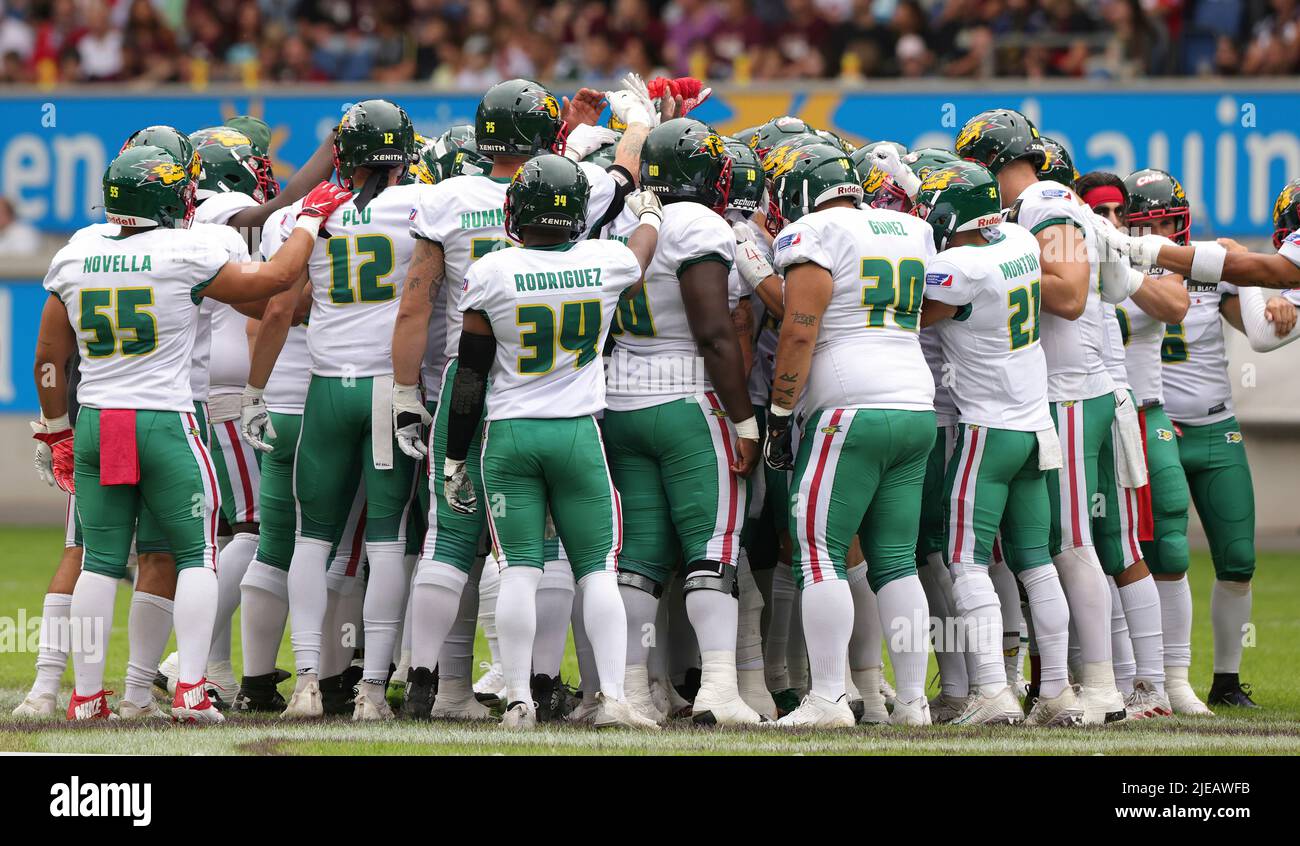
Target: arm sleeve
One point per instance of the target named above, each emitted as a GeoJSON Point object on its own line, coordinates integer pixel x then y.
{"type": "Point", "coordinates": [946, 283]}
{"type": "Point", "coordinates": [609, 188]}
{"type": "Point", "coordinates": [1259, 330]}
{"type": "Point", "coordinates": [468, 392]}
{"type": "Point", "coordinates": [799, 243]}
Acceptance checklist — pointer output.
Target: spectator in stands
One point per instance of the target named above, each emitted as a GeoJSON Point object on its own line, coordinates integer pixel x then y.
{"type": "Point", "coordinates": [17, 237]}
{"type": "Point", "coordinates": [100, 47]}
{"type": "Point", "coordinates": [150, 48]}
{"type": "Point", "coordinates": [1275, 42]}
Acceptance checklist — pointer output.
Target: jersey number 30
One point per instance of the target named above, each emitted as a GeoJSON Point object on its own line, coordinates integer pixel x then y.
{"type": "Point", "coordinates": [889, 291]}
{"type": "Point", "coordinates": [579, 333]}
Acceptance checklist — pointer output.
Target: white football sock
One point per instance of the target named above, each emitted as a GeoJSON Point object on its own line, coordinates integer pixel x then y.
{"type": "Point", "coordinates": [606, 625]}
{"type": "Point", "coordinates": [1141, 604]}
{"type": "Point", "coordinates": [1176, 621]}
{"type": "Point", "coordinates": [516, 627]}
{"type": "Point", "coordinates": [148, 626]}
{"type": "Point", "coordinates": [683, 650]}
{"type": "Point", "coordinates": [264, 596]}
{"type": "Point", "coordinates": [828, 625]}
{"type": "Point", "coordinates": [194, 615]}
{"type": "Point", "coordinates": [778, 628]}
{"type": "Point", "coordinates": [1004, 582]}
{"type": "Point", "coordinates": [588, 677]}
{"type": "Point", "coordinates": [434, 610]}
{"type": "Point", "coordinates": [1230, 605]}
{"type": "Point", "coordinates": [92, 611]}
{"type": "Point", "coordinates": [307, 598]}
{"type": "Point", "coordinates": [456, 658]}
{"type": "Point", "coordinates": [54, 644]}
{"type": "Point", "coordinates": [1121, 647]}
{"type": "Point", "coordinates": [488, 584]}
{"type": "Point", "coordinates": [796, 651]}
{"type": "Point", "coordinates": [1085, 589]}
{"type": "Point", "coordinates": [977, 603]}
{"type": "Point", "coordinates": [385, 603]}
{"type": "Point", "coordinates": [904, 617]}
{"type": "Point", "coordinates": [937, 583]}
{"type": "Point", "coordinates": [1049, 619]}
{"type": "Point", "coordinates": [402, 651]}
{"type": "Point", "coordinates": [713, 615]}
{"type": "Point", "coordinates": [554, 607]}
{"type": "Point", "coordinates": [642, 610]}
{"type": "Point", "coordinates": [867, 639]}
{"type": "Point", "coordinates": [231, 566]}
{"type": "Point", "coordinates": [749, 628]}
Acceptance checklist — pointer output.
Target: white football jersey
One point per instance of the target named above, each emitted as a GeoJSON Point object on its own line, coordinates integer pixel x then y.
{"type": "Point", "coordinates": [1195, 372]}
{"type": "Point", "coordinates": [945, 407]}
{"type": "Point", "coordinates": [357, 271]}
{"type": "Point", "coordinates": [286, 390]}
{"type": "Point", "coordinates": [134, 305]}
{"type": "Point", "coordinates": [655, 359]}
{"type": "Point", "coordinates": [228, 356]}
{"type": "Point", "coordinates": [992, 343]}
{"type": "Point", "coordinates": [465, 215]}
{"type": "Point", "coordinates": [1143, 336]}
{"type": "Point", "coordinates": [1112, 351]}
{"type": "Point", "coordinates": [868, 351]}
{"type": "Point", "coordinates": [1075, 349]}
{"type": "Point", "coordinates": [550, 310]}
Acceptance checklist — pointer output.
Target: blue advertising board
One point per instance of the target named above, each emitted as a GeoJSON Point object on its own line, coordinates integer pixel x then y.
{"type": "Point", "coordinates": [20, 318]}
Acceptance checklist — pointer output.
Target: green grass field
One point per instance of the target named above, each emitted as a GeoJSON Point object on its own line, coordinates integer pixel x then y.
{"type": "Point", "coordinates": [27, 558]}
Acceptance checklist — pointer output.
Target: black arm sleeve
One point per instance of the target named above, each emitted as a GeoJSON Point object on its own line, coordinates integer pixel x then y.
{"type": "Point", "coordinates": [468, 392]}
{"type": "Point", "coordinates": [625, 185]}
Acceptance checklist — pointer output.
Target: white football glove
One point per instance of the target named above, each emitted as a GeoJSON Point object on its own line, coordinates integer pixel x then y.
{"type": "Point", "coordinates": [751, 263]}
{"type": "Point", "coordinates": [885, 157]}
{"type": "Point", "coordinates": [255, 420]}
{"type": "Point", "coordinates": [44, 458]}
{"type": "Point", "coordinates": [457, 488]}
{"type": "Point", "coordinates": [585, 140]}
{"type": "Point", "coordinates": [632, 104]}
{"type": "Point", "coordinates": [1144, 250]}
{"type": "Point", "coordinates": [409, 416]}
{"type": "Point", "coordinates": [645, 204]}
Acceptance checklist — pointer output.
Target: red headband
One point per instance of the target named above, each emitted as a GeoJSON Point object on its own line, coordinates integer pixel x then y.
{"type": "Point", "coordinates": [1103, 194]}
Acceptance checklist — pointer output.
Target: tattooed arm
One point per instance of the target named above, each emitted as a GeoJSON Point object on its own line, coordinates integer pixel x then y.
{"type": "Point", "coordinates": [742, 318]}
{"type": "Point", "coordinates": [424, 280]}
{"type": "Point", "coordinates": [808, 290]}
{"type": "Point", "coordinates": [627, 154]}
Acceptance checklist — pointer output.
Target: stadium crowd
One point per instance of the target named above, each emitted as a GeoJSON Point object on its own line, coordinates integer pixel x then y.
{"type": "Point", "coordinates": [471, 44]}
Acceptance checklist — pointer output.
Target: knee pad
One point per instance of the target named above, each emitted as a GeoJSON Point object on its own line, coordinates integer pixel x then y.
{"type": "Point", "coordinates": [972, 588]}
{"type": "Point", "coordinates": [640, 582]}
{"type": "Point", "coordinates": [1167, 554]}
{"type": "Point", "coordinates": [712, 575]}
{"type": "Point", "coordinates": [439, 575]}
{"type": "Point", "coordinates": [1237, 562]}
{"type": "Point", "coordinates": [262, 576]}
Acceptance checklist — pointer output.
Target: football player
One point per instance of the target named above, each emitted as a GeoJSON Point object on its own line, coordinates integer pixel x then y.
{"type": "Point", "coordinates": [985, 284]}
{"type": "Point", "coordinates": [455, 223]}
{"type": "Point", "coordinates": [1082, 396]}
{"type": "Point", "coordinates": [535, 320]}
{"type": "Point", "coordinates": [135, 341]}
{"type": "Point", "coordinates": [854, 283]}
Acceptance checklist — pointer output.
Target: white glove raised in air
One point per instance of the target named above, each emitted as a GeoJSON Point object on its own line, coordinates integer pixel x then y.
{"type": "Point", "coordinates": [645, 205]}
{"type": "Point", "coordinates": [409, 415]}
{"type": "Point", "coordinates": [255, 420]}
{"type": "Point", "coordinates": [751, 263]}
{"type": "Point", "coordinates": [885, 157]}
{"type": "Point", "coordinates": [586, 139]}
{"type": "Point", "coordinates": [632, 104]}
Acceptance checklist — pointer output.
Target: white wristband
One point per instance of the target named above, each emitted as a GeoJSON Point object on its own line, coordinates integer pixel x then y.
{"type": "Point", "coordinates": [450, 467]}
{"type": "Point", "coordinates": [747, 429]}
{"type": "Point", "coordinates": [1135, 280]}
{"type": "Point", "coordinates": [1207, 262]}
{"type": "Point", "coordinates": [653, 219]}
{"type": "Point", "coordinates": [58, 424]}
{"type": "Point", "coordinates": [253, 392]}
{"type": "Point", "coordinates": [309, 224]}
{"type": "Point", "coordinates": [778, 411]}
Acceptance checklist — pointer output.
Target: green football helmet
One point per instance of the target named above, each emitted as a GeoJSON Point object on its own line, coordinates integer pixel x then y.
{"type": "Point", "coordinates": [958, 198]}
{"type": "Point", "coordinates": [685, 161]}
{"type": "Point", "coordinates": [926, 159]}
{"type": "Point", "coordinates": [518, 117]}
{"type": "Point", "coordinates": [812, 176]}
{"type": "Point", "coordinates": [997, 137]}
{"type": "Point", "coordinates": [1153, 195]}
{"type": "Point", "coordinates": [776, 132]}
{"type": "Point", "coordinates": [836, 140]}
{"type": "Point", "coordinates": [746, 135]}
{"type": "Point", "coordinates": [603, 156]}
{"type": "Point", "coordinates": [1058, 166]}
{"type": "Point", "coordinates": [549, 192]}
{"type": "Point", "coordinates": [747, 182]}
{"type": "Point", "coordinates": [374, 134]}
{"type": "Point", "coordinates": [173, 141]}
{"type": "Point", "coordinates": [1286, 213]}
{"type": "Point", "coordinates": [148, 186]}
{"type": "Point", "coordinates": [257, 131]}
{"type": "Point", "coordinates": [231, 165]}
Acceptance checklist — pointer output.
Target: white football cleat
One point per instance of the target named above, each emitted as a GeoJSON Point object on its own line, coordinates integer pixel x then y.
{"type": "Point", "coordinates": [947, 707]}
{"type": "Point", "coordinates": [1146, 702]}
{"type": "Point", "coordinates": [305, 704]}
{"type": "Point", "coordinates": [678, 705]}
{"type": "Point", "coordinates": [492, 684]}
{"type": "Point", "coordinates": [1102, 702]}
{"type": "Point", "coordinates": [617, 712]}
{"type": "Point", "coordinates": [717, 707]}
{"type": "Point", "coordinates": [1182, 699]}
{"type": "Point", "coordinates": [753, 689]}
{"type": "Point", "coordinates": [369, 708]}
{"type": "Point", "coordinates": [1002, 708]}
{"type": "Point", "coordinates": [887, 690]}
{"type": "Point", "coordinates": [39, 707]}
{"type": "Point", "coordinates": [128, 710]}
{"type": "Point", "coordinates": [456, 701]}
{"type": "Point", "coordinates": [870, 682]}
{"type": "Point", "coordinates": [914, 713]}
{"type": "Point", "coordinates": [169, 670]}
{"type": "Point", "coordinates": [818, 712]}
{"type": "Point", "coordinates": [585, 711]}
{"type": "Point", "coordinates": [192, 705]}
{"type": "Point", "coordinates": [1064, 709]}
{"type": "Point", "coordinates": [636, 690]}
{"type": "Point", "coordinates": [520, 716]}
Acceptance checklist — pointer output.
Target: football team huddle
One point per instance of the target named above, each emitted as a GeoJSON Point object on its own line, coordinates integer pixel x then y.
{"type": "Point", "coordinates": [746, 414]}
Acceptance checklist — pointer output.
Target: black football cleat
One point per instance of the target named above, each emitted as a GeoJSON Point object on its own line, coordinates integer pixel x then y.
{"type": "Point", "coordinates": [1227, 689]}
{"type": "Point", "coordinates": [550, 698]}
{"type": "Point", "coordinates": [336, 696]}
{"type": "Point", "coordinates": [258, 694]}
{"type": "Point", "coordinates": [421, 688]}
{"type": "Point", "coordinates": [690, 684]}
